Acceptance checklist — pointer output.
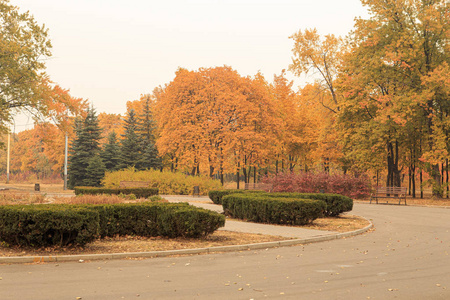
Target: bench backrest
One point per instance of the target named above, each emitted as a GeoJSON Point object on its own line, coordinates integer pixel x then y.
{"type": "Point", "coordinates": [134, 184]}
{"type": "Point", "coordinates": [258, 186]}
{"type": "Point", "coordinates": [391, 190]}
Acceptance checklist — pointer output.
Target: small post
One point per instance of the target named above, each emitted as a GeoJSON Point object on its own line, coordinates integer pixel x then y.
{"type": "Point", "coordinates": [7, 158]}
{"type": "Point", "coordinates": [65, 164]}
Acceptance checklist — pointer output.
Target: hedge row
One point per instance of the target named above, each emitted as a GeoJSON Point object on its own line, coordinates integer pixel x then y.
{"type": "Point", "coordinates": [59, 224]}
{"type": "Point", "coordinates": [138, 192]}
{"type": "Point", "coordinates": [157, 219]}
{"type": "Point", "coordinates": [47, 225]}
{"type": "Point", "coordinates": [265, 208]}
{"type": "Point", "coordinates": [336, 204]}
{"type": "Point", "coordinates": [217, 195]}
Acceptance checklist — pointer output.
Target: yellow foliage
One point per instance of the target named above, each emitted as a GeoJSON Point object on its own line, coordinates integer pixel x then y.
{"type": "Point", "coordinates": [168, 183]}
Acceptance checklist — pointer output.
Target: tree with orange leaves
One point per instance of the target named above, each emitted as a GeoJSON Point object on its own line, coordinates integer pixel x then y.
{"type": "Point", "coordinates": [216, 119]}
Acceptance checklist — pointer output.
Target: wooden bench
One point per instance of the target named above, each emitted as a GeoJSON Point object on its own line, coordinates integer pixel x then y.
{"type": "Point", "coordinates": [259, 186]}
{"type": "Point", "coordinates": [389, 192]}
{"type": "Point", "coordinates": [134, 184]}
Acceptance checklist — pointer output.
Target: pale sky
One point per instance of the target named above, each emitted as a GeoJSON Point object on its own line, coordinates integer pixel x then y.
{"type": "Point", "coordinates": [112, 51]}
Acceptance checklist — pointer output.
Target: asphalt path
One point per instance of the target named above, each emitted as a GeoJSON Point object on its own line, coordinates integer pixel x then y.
{"type": "Point", "coordinates": [405, 257]}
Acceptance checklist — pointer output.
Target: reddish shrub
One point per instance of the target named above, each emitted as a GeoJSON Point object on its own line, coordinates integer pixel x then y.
{"type": "Point", "coordinates": [350, 186]}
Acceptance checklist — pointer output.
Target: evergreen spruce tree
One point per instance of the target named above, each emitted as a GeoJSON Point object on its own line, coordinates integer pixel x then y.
{"type": "Point", "coordinates": [147, 126]}
{"type": "Point", "coordinates": [95, 171]}
{"type": "Point", "coordinates": [83, 149]}
{"type": "Point", "coordinates": [131, 146]}
{"type": "Point", "coordinates": [111, 153]}
{"type": "Point", "coordinates": [151, 159]}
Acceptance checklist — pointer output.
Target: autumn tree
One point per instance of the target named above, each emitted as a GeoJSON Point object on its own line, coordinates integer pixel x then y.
{"type": "Point", "coordinates": [395, 83]}
{"type": "Point", "coordinates": [214, 118]}
{"type": "Point", "coordinates": [24, 86]}
{"type": "Point", "coordinates": [321, 57]}
{"type": "Point", "coordinates": [23, 45]}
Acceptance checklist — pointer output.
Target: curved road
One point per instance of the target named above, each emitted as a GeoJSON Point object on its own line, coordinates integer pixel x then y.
{"type": "Point", "coordinates": [405, 257]}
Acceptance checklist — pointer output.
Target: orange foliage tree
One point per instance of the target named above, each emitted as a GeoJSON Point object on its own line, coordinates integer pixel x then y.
{"type": "Point", "coordinates": [215, 119]}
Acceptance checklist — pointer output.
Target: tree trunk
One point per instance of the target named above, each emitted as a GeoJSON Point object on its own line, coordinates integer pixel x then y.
{"type": "Point", "coordinates": [254, 174]}
{"type": "Point", "coordinates": [237, 175]}
{"type": "Point", "coordinates": [413, 180]}
{"type": "Point", "coordinates": [409, 180]}
{"type": "Point", "coordinates": [421, 185]}
{"type": "Point", "coordinates": [393, 177]}
{"type": "Point", "coordinates": [276, 166]}
{"type": "Point", "coordinates": [244, 170]}
{"type": "Point", "coordinates": [221, 166]}
{"type": "Point", "coordinates": [437, 186]}
{"type": "Point", "coordinates": [446, 171]}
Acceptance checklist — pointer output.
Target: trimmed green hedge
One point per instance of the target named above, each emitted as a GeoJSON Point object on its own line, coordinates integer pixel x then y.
{"type": "Point", "coordinates": [47, 225]}
{"type": "Point", "coordinates": [157, 219]}
{"type": "Point", "coordinates": [336, 204]}
{"type": "Point", "coordinates": [62, 225]}
{"type": "Point", "coordinates": [138, 192]}
{"type": "Point", "coordinates": [274, 210]}
{"type": "Point", "coordinates": [217, 195]}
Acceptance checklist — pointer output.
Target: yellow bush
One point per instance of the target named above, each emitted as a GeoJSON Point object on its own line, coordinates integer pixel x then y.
{"type": "Point", "coordinates": [168, 183]}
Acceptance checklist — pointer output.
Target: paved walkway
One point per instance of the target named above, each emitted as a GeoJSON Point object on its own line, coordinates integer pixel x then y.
{"type": "Point", "coordinates": [247, 227]}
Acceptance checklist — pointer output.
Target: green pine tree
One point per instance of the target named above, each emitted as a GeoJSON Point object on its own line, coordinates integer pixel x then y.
{"type": "Point", "coordinates": [95, 171]}
{"type": "Point", "coordinates": [84, 148]}
{"type": "Point", "coordinates": [131, 146]}
{"type": "Point", "coordinates": [151, 158]}
{"type": "Point", "coordinates": [147, 126]}
{"type": "Point", "coordinates": [111, 153]}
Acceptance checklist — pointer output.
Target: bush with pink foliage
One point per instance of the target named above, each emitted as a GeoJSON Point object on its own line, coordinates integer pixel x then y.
{"type": "Point", "coordinates": [308, 182]}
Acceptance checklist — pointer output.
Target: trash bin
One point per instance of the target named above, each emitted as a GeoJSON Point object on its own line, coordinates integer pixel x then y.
{"type": "Point", "coordinates": [37, 187]}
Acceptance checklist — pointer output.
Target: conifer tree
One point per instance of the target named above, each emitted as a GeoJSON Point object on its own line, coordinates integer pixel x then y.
{"type": "Point", "coordinates": [83, 149]}
{"type": "Point", "coordinates": [111, 153]}
{"type": "Point", "coordinates": [95, 171]}
{"type": "Point", "coordinates": [131, 146]}
{"type": "Point", "coordinates": [147, 126]}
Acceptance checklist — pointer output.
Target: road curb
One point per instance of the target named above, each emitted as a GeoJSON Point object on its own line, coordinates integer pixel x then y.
{"type": "Point", "coordinates": [153, 254]}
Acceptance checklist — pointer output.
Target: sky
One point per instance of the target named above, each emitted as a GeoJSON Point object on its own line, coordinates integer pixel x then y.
{"type": "Point", "coordinates": [112, 51]}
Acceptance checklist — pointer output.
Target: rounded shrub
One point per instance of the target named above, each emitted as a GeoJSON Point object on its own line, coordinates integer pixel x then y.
{"type": "Point", "coordinates": [265, 208]}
